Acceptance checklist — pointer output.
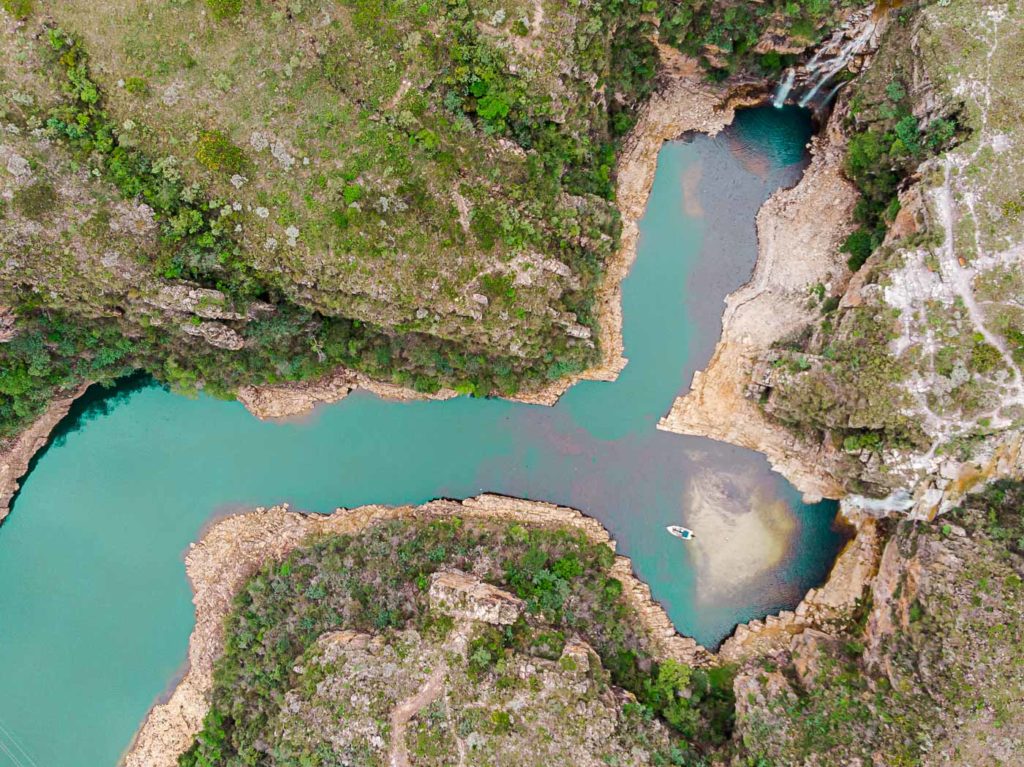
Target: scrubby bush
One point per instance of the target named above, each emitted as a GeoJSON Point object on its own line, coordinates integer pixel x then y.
{"type": "Point", "coordinates": [860, 244]}
{"type": "Point", "coordinates": [137, 86]}
{"type": "Point", "coordinates": [886, 148]}
{"type": "Point", "coordinates": [224, 9]}
{"type": "Point", "coordinates": [19, 9]}
{"type": "Point", "coordinates": [215, 152]}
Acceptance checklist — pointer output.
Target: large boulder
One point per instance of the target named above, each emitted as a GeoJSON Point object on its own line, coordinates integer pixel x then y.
{"type": "Point", "coordinates": [466, 597]}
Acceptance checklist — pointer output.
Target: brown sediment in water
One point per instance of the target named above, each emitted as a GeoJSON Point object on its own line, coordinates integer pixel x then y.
{"type": "Point", "coordinates": [692, 205]}
{"type": "Point", "coordinates": [754, 162]}
{"type": "Point", "coordinates": [234, 548]}
{"type": "Point", "coordinates": [853, 571]}
{"type": "Point", "coordinates": [745, 531]}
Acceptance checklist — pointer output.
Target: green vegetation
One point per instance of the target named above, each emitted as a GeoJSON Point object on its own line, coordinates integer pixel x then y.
{"type": "Point", "coordinates": [913, 368]}
{"type": "Point", "coordinates": [553, 201]}
{"type": "Point", "coordinates": [216, 152]}
{"type": "Point", "coordinates": [19, 9]}
{"type": "Point", "coordinates": [195, 239]}
{"type": "Point", "coordinates": [367, 178]}
{"type": "Point", "coordinates": [367, 582]}
{"type": "Point", "coordinates": [224, 9]}
{"type": "Point", "coordinates": [887, 144]}
{"type": "Point", "coordinates": [724, 34]}
{"type": "Point", "coordinates": [850, 354]}
{"type": "Point", "coordinates": [35, 201]}
{"type": "Point", "coordinates": [938, 674]}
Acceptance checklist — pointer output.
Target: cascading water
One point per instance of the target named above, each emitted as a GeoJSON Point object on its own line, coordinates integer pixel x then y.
{"type": "Point", "coordinates": [831, 58]}
{"type": "Point", "coordinates": [783, 89]}
{"type": "Point", "coordinates": [829, 68]}
{"type": "Point", "coordinates": [832, 93]}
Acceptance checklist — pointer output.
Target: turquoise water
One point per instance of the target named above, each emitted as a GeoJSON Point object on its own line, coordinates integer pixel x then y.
{"type": "Point", "coordinates": [95, 610]}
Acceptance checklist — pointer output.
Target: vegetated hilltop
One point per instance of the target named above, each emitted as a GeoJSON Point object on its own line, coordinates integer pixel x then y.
{"type": "Point", "coordinates": [430, 640]}
{"type": "Point", "coordinates": [914, 369]}
{"type": "Point", "coordinates": [228, 192]}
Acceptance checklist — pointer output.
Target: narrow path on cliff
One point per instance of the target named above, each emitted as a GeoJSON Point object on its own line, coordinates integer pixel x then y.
{"type": "Point", "coordinates": [398, 752]}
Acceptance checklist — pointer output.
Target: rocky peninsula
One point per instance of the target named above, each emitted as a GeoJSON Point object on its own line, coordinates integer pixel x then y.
{"type": "Point", "coordinates": [235, 548]}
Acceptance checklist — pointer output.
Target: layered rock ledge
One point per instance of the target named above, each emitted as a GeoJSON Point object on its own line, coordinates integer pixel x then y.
{"type": "Point", "coordinates": [16, 456]}
{"type": "Point", "coordinates": [684, 102]}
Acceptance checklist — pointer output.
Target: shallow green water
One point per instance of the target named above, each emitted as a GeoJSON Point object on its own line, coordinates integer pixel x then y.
{"type": "Point", "coordinates": [95, 610]}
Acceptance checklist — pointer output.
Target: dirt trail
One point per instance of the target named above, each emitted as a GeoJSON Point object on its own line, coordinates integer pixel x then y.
{"type": "Point", "coordinates": [398, 754]}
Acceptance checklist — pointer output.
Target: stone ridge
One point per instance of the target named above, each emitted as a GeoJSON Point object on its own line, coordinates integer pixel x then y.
{"type": "Point", "coordinates": [234, 548]}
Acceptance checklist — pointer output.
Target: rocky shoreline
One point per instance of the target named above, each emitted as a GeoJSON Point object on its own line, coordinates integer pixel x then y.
{"type": "Point", "coordinates": [234, 548]}
{"type": "Point", "coordinates": [799, 233]}
{"type": "Point", "coordinates": [17, 455]}
{"type": "Point", "coordinates": [854, 570]}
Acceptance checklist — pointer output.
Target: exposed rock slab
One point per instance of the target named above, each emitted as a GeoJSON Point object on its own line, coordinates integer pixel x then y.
{"type": "Point", "coordinates": [467, 598]}
{"type": "Point", "coordinates": [300, 397]}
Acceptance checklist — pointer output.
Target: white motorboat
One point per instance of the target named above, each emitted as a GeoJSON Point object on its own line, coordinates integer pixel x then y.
{"type": "Point", "coordinates": [683, 533]}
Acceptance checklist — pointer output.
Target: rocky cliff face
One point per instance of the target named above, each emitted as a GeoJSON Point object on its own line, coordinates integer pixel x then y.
{"type": "Point", "coordinates": [891, 384]}
{"type": "Point", "coordinates": [924, 670]}
{"type": "Point", "coordinates": [799, 233]}
{"type": "Point", "coordinates": [898, 381]}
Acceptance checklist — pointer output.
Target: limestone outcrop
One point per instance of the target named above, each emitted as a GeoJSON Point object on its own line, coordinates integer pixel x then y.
{"type": "Point", "coordinates": [466, 598]}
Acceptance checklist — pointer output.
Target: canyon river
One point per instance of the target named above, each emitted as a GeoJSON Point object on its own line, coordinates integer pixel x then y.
{"type": "Point", "coordinates": [95, 609]}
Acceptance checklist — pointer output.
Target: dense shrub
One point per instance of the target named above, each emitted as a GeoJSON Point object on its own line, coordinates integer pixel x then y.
{"type": "Point", "coordinates": [36, 200]}
{"type": "Point", "coordinates": [19, 9]}
{"type": "Point", "coordinates": [215, 152]}
{"type": "Point", "coordinates": [887, 146]}
{"type": "Point", "coordinates": [725, 35]}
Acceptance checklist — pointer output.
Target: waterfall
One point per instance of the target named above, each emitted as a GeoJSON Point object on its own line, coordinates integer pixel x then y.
{"type": "Point", "coordinates": [829, 69]}
{"type": "Point", "coordinates": [783, 89]}
{"type": "Point", "coordinates": [806, 98]}
{"type": "Point", "coordinates": [833, 92]}
{"type": "Point", "coordinates": [828, 61]}
{"type": "Point", "coordinates": [896, 501]}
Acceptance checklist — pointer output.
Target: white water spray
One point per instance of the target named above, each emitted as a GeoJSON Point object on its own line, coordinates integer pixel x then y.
{"type": "Point", "coordinates": [896, 501]}
{"type": "Point", "coordinates": [827, 68]}
{"type": "Point", "coordinates": [783, 89]}
{"type": "Point", "coordinates": [832, 93]}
